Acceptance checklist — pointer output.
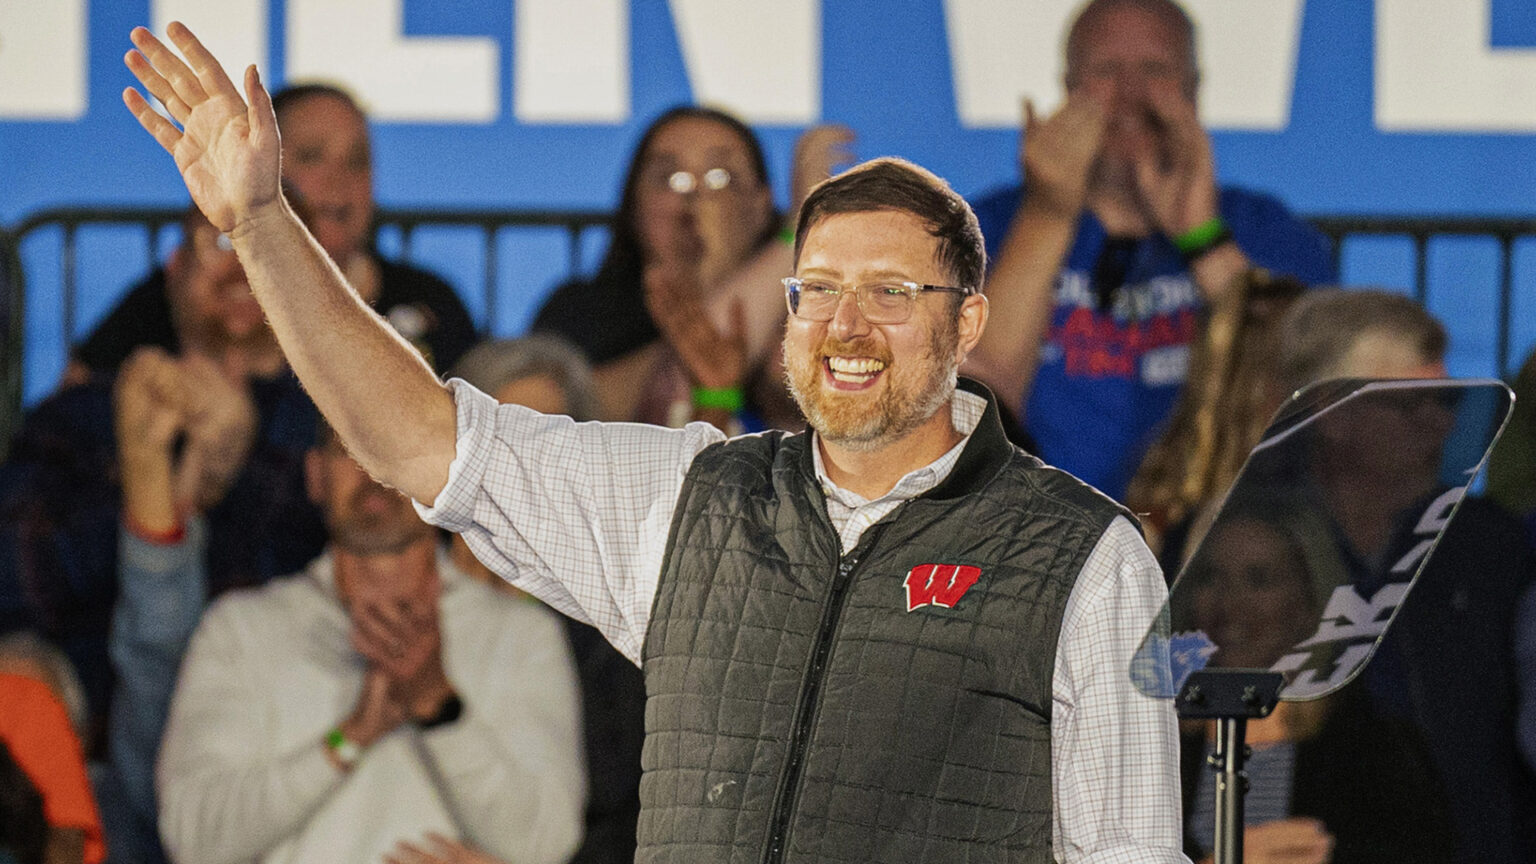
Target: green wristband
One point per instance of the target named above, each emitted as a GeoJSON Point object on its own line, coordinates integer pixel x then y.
{"type": "Point", "coordinates": [721, 398]}
{"type": "Point", "coordinates": [346, 751]}
{"type": "Point", "coordinates": [1203, 237]}
{"type": "Point", "coordinates": [787, 236]}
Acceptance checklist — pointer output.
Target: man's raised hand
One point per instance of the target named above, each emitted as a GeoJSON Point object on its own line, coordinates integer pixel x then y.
{"type": "Point", "coordinates": [1058, 153]}
{"type": "Point", "coordinates": [227, 151]}
{"type": "Point", "coordinates": [1177, 186]}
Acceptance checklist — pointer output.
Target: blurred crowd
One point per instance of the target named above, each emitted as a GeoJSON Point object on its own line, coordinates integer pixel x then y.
{"type": "Point", "coordinates": [223, 642]}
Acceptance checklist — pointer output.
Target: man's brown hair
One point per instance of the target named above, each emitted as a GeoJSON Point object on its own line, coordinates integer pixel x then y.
{"type": "Point", "coordinates": [896, 184]}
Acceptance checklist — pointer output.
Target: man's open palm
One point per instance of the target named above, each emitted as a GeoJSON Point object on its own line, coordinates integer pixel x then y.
{"type": "Point", "coordinates": [227, 151]}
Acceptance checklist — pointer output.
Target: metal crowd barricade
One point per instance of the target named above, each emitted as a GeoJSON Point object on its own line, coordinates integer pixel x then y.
{"type": "Point", "coordinates": [404, 227]}
{"type": "Point", "coordinates": [1420, 231]}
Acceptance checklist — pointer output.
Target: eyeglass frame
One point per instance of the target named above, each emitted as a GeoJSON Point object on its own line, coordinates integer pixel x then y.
{"type": "Point", "coordinates": [913, 289]}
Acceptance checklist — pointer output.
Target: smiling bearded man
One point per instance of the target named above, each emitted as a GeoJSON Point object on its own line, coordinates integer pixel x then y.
{"type": "Point", "coordinates": [898, 638]}
{"type": "Point", "coordinates": [916, 393]}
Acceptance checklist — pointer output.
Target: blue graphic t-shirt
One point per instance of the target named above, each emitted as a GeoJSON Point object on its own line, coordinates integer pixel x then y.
{"type": "Point", "coordinates": [1108, 377]}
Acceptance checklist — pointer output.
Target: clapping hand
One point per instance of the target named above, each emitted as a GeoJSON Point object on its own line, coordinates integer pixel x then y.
{"type": "Point", "coordinates": [1058, 153]}
{"type": "Point", "coordinates": [675, 300]}
{"type": "Point", "coordinates": [1288, 841]}
{"type": "Point", "coordinates": [220, 428]}
{"type": "Point", "coordinates": [159, 399]}
{"type": "Point", "coordinates": [401, 638]}
{"type": "Point", "coordinates": [227, 151]}
{"type": "Point", "coordinates": [1177, 182]}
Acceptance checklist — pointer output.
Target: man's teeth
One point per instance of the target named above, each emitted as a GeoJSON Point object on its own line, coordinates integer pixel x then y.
{"type": "Point", "coordinates": [853, 368]}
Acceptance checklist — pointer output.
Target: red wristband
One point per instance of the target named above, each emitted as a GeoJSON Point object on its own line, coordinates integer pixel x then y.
{"type": "Point", "coordinates": [168, 537]}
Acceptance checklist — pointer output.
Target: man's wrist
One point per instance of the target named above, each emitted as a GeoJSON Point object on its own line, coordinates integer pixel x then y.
{"type": "Point", "coordinates": [729, 399]}
{"type": "Point", "coordinates": [342, 750]}
{"type": "Point", "coordinates": [159, 531]}
{"type": "Point", "coordinates": [447, 710]}
{"type": "Point", "coordinates": [1203, 239]}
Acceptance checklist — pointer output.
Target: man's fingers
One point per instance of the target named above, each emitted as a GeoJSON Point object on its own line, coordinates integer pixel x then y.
{"type": "Point", "coordinates": [258, 113]}
{"type": "Point", "coordinates": [166, 134]}
{"type": "Point", "coordinates": [169, 66]}
{"type": "Point", "coordinates": [157, 86]}
{"type": "Point", "coordinates": [210, 75]}
{"type": "Point", "coordinates": [382, 628]}
{"type": "Point", "coordinates": [409, 853]}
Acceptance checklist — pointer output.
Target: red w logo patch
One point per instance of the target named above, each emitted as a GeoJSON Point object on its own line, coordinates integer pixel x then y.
{"type": "Point", "coordinates": [939, 584]}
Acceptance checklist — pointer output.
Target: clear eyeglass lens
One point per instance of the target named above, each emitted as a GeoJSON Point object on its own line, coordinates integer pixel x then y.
{"type": "Point", "coordinates": [886, 302]}
{"type": "Point", "coordinates": [881, 303]}
{"type": "Point", "coordinates": [682, 182]}
{"type": "Point", "coordinates": [716, 179]}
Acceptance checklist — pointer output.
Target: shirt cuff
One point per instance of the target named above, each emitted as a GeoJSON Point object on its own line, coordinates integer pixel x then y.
{"type": "Point", "coordinates": [1135, 855]}
{"type": "Point", "coordinates": [475, 421]}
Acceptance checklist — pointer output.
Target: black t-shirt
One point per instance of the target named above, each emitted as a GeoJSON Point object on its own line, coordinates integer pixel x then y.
{"type": "Point", "coordinates": [424, 307]}
{"type": "Point", "coordinates": [605, 317]}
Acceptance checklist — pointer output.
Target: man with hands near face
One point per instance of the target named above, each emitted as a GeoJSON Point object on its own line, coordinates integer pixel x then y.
{"type": "Point", "coordinates": [378, 697]}
{"type": "Point", "coordinates": [1118, 239]}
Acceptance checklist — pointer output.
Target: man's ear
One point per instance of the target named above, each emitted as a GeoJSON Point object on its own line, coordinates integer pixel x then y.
{"type": "Point", "coordinates": [973, 320]}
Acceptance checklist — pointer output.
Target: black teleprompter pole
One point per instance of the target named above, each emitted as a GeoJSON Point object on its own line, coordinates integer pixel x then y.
{"type": "Point", "coordinates": [1231, 697]}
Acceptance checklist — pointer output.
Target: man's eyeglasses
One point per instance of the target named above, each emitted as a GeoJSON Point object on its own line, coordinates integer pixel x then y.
{"type": "Point", "coordinates": [880, 302]}
{"type": "Point", "coordinates": [686, 182]}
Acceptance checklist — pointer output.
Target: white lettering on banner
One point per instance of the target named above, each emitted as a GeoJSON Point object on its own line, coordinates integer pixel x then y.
{"type": "Point", "coordinates": [1438, 514]}
{"type": "Point", "coordinates": [1001, 52]}
{"type": "Point", "coordinates": [234, 30]}
{"type": "Point", "coordinates": [761, 60]}
{"type": "Point", "coordinates": [31, 89]}
{"type": "Point", "coordinates": [1435, 70]}
{"type": "Point", "coordinates": [570, 61]}
{"type": "Point", "coordinates": [418, 79]}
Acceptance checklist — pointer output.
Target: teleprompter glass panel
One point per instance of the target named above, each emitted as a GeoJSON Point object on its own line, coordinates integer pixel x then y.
{"type": "Point", "coordinates": [1315, 548]}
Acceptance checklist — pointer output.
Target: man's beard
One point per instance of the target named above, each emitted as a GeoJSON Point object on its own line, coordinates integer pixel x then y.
{"type": "Point", "coordinates": [912, 394]}
{"type": "Point", "coordinates": [362, 531]}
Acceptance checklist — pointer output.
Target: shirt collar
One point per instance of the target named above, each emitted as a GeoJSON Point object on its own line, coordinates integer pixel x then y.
{"type": "Point", "coordinates": [965, 412]}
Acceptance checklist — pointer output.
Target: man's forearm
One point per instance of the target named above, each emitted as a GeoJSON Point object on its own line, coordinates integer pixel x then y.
{"type": "Point", "coordinates": [1020, 290]}
{"type": "Point", "coordinates": [1216, 272]}
{"type": "Point", "coordinates": [376, 391]}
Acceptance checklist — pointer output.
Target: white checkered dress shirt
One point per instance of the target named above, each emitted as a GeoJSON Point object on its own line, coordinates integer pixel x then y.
{"type": "Point", "coordinates": [578, 514]}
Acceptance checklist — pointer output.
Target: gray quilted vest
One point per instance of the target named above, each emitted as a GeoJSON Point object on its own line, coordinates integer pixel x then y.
{"type": "Point", "coordinates": [798, 711]}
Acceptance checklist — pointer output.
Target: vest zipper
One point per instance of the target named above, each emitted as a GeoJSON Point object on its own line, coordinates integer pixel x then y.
{"type": "Point", "coordinates": [805, 712]}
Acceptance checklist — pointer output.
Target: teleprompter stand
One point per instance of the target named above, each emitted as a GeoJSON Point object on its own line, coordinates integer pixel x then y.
{"type": "Point", "coordinates": [1275, 602]}
{"type": "Point", "coordinates": [1231, 697]}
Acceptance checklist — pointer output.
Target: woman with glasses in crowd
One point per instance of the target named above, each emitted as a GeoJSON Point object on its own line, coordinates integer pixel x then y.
{"type": "Point", "coordinates": [681, 320]}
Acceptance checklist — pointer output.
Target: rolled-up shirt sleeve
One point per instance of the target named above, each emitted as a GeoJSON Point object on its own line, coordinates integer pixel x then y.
{"type": "Point", "coordinates": [576, 514]}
